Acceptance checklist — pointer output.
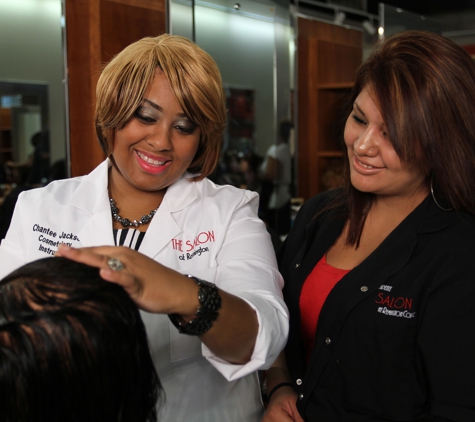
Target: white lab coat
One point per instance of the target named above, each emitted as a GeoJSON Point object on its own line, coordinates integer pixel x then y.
{"type": "Point", "coordinates": [209, 231]}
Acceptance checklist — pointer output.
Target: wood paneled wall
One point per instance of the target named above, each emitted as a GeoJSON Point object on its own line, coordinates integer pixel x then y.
{"type": "Point", "coordinates": [96, 30]}
{"type": "Point", "coordinates": [328, 57]}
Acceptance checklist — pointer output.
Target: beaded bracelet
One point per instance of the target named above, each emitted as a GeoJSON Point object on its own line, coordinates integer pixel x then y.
{"type": "Point", "coordinates": [207, 312]}
{"type": "Point", "coordinates": [276, 387]}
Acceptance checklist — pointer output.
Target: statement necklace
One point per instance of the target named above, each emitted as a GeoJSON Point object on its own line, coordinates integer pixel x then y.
{"type": "Point", "coordinates": [125, 221]}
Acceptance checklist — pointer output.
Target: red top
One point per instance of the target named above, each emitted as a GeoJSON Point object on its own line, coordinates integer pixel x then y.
{"type": "Point", "coordinates": [315, 290]}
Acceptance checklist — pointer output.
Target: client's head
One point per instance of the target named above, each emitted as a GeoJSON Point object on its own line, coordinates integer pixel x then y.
{"type": "Point", "coordinates": [72, 348]}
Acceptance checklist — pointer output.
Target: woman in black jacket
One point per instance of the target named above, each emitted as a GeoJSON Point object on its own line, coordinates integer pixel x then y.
{"type": "Point", "coordinates": [379, 277]}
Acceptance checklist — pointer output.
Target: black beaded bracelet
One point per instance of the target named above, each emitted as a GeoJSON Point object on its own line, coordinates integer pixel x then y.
{"type": "Point", "coordinates": [276, 387]}
{"type": "Point", "coordinates": [207, 312]}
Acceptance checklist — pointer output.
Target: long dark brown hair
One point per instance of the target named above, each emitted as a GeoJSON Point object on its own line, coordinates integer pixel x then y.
{"type": "Point", "coordinates": [424, 86]}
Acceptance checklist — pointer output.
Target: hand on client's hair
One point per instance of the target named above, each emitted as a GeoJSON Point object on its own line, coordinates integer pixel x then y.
{"type": "Point", "coordinates": [152, 286]}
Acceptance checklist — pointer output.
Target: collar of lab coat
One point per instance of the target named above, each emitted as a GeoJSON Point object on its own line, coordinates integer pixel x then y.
{"type": "Point", "coordinates": [92, 191]}
{"type": "Point", "coordinates": [92, 198]}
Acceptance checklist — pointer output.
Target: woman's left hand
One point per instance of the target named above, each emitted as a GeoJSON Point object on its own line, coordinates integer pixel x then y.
{"type": "Point", "coordinates": [153, 287]}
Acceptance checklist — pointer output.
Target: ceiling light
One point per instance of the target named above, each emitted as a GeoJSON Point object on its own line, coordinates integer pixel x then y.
{"type": "Point", "coordinates": [370, 29]}
{"type": "Point", "coordinates": [339, 17]}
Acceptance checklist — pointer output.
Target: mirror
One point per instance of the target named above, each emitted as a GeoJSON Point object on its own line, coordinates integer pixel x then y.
{"type": "Point", "coordinates": [252, 44]}
{"type": "Point", "coordinates": [33, 131]}
{"type": "Point", "coordinates": [394, 19]}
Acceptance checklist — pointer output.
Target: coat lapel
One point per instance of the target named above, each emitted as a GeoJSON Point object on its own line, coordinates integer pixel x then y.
{"type": "Point", "coordinates": [91, 210]}
{"type": "Point", "coordinates": [318, 244]}
{"type": "Point", "coordinates": [167, 222]}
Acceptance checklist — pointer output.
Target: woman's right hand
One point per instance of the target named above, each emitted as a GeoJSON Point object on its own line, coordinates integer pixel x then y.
{"type": "Point", "coordinates": [159, 289]}
{"type": "Point", "coordinates": [283, 406]}
{"type": "Point", "coordinates": [152, 286]}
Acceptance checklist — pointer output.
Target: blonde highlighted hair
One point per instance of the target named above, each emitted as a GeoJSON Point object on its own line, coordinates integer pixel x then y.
{"type": "Point", "coordinates": [194, 79]}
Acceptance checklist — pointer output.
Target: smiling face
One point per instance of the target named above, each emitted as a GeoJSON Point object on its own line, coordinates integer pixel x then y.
{"type": "Point", "coordinates": [374, 165]}
{"type": "Point", "coordinates": [157, 145]}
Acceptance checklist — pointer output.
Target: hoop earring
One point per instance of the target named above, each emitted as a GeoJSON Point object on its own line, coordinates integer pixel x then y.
{"type": "Point", "coordinates": [433, 197]}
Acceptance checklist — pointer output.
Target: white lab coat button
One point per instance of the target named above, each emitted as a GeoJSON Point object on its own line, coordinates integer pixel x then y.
{"type": "Point", "coordinates": [301, 396]}
{"type": "Point", "coordinates": [299, 382]}
{"type": "Point", "coordinates": [364, 288]}
{"type": "Point", "coordinates": [328, 341]}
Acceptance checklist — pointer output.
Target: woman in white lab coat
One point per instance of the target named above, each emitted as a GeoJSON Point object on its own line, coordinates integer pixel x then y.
{"type": "Point", "coordinates": [193, 255]}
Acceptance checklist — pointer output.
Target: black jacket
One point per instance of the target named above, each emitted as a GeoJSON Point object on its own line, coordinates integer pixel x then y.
{"type": "Point", "coordinates": [396, 336]}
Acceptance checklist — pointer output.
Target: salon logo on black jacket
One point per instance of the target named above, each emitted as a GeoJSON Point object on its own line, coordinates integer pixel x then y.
{"type": "Point", "coordinates": [193, 247]}
{"type": "Point", "coordinates": [395, 306]}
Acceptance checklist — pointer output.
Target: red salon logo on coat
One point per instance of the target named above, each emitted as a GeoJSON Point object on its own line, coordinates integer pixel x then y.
{"type": "Point", "coordinates": [396, 306]}
{"type": "Point", "coordinates": [193, 247]}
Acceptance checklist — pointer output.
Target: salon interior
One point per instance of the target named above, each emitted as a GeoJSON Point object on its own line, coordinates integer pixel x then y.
{"type": "Point", "coordinates": [281, 60]}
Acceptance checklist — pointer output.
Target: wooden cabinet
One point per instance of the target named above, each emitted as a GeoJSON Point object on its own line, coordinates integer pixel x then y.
{"type": "Point", "coordinates": [6, 150]}
{"type": "Point", "coordinates": [328, 57]}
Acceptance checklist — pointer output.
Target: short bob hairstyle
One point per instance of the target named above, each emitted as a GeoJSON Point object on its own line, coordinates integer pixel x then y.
{"type": "Point", "coordinates": [194, 78]}
{"type": "Point", "coordinates": [73, 347]}
{"type": "Point", "coordinates": [424, 86]}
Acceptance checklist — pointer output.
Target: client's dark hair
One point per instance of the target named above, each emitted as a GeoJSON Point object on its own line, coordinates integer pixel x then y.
{"type": "Point", "coordinates": [73, 347]}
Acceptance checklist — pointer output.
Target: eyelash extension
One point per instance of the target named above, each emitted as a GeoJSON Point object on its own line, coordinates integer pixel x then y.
{"type": "Point", "coordinates": [185, 129]}
{"type": "Point", "coordinates": [357, 119]}
{"type": "Point", "coordinates": [147, 119]}
{"type": "Point", "coordinates": [143, 118]}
